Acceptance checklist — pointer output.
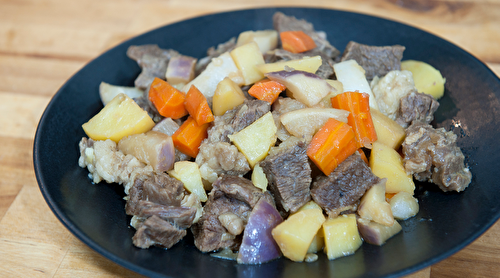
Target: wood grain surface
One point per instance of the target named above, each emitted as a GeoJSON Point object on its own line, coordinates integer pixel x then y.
{"type": "Point", "coordinates": [43, 43]}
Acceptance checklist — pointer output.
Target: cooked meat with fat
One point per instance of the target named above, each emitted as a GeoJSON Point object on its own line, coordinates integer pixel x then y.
{"type": "Point", "coordinates": [416, 107]}
{"type": "Point", "coordinates": [344, 187]}
{"type": "Point", "coordinates": [289, 175]}
{"type": "Point", "coordinates": [230, 195]}
{"type": "Point", "coordinates": [432, 155]}
{"type": "Point", "coordinates": [390, 89]}
{"type": "Point", "coordinates": [181, 217]}
{"type": "Point", "coordinates": [156, 231]}
{"type": "Point", "coordinates": [375, 60]}
{"type": "Point", "coordinates": [153, 62]}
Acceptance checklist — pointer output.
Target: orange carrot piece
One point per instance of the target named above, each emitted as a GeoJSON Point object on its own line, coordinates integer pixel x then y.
{"type": "Point", "coordinates": [267, 90]}
{"type": "Point", "coordinates": [331, 145]}
{"type": "Point", "coordinates": [168, 100]}
{"type": "Point", "coordinates": [296, 41]}
{"type": "Point", "coordinates": [187, 139]}
{"type": "Point", "coordinates": [360, 118]}
{"type": "Point", "coordinates": [197, 106]}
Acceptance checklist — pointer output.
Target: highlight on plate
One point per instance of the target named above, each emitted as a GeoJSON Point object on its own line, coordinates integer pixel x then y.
{"type": "Point", "coordinates": [274, 144]}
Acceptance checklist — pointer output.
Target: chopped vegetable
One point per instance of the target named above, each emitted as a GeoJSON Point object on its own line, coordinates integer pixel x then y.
{"type": "Point", "coordinates": [388, 131]}
{"type": "Point", "coordinates": [305, 122]}
{"type": "Point", "coordinates": [259, 178]}
{"type": "Point", "coordinates": [331, 145]}
{"type": "Point", "coordinates": [180, 70]}
{"type": "Point", "coordinates": [119, 118]}
{"type": "Point", "coordinates": [107, 92]}
{"type": "Point", "coordinates": [296, 41]}
{"type": "Point", "coordinates": [404, 205]}
{"type": "Point", "coordinates": [168, 100]}
{"type": "Point", "coordinates": [246, 58]}
{"type": "Point", "coordinates": [189, 174]}
{"type": "Point", "coordinates": [341, 236]}
{"type": "Point", "coordinates": [197, 106]}
{"type": "Point", "coordinates": [227, 96]}
{"type": "Point", "coordinates": [428, 80]}
{"type": "Point", "coordinates": [188, 137]}
{"type": "Point", "coordinates": [308, 64]}
{"type": "Point", "coordinates": [375, 233]}
{"type": "Point", "coordinates": [265, 39]}
{"type": "Point", "coordinates": [360, 118]}
{"type": "Point", "coordinates": [267, 90]}
{"type": "Point", "coordinates": [373, 205]}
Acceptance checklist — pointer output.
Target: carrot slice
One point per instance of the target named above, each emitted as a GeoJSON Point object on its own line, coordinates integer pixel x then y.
{"type": "Point", "coordinates": [187, 139]}
{"type": "Point", "coordinates": [197, 106]}
{"type": "Point", "coordinates": [360, 118]}
{"type": "Point", "coordinates": [267, 90]}
{"type": "Point", "coordinates": [168, 100]}
{"type": "Point", "coordinates": [296, 41]}
{"type": "Point", "coordinates": [331, 145]}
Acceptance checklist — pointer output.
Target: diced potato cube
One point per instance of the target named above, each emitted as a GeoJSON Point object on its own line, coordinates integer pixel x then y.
{"type": "Point", "coordinates": [246, 58]}
{"type": "Point", "coordinates": [385, 162]}
{"type": "Point", "coordinates": [309, 205]}
{"type": "Point", "coordinates": [308, 64]}
{"type": "Point", "coordinates": [375, 233]}
{"type": "Point", "coordinates": [259, 178]}
{"type": "Point", "coordinates": [189, 174]}
{"type": "Point", "coordinates": [218, 69]}
{"type": "Point", "coordinates": [295, 234]}
{"type": "Point", "coordinates": [227, 96]}
{"type": "Point", "coordinates": [373, 205]}
{"type": "Point", "coordinates": [265, 39]}
{"type": "Point", "coordinates": [119, 118]}
{"type": "Point", "coordinates": [341, 236]}
{"type": "Point", "coordinates": [318, 241]}
{"type": "Point", "coordinates": [353, 78]}
{"type": "Point", "coordinates": [388, 131]}
{"type": "Point", "coordinates": [427, 79]}
{"type": "Point", "coordinates": [404, 205]}
{"type": "Point", "coordinates": [255, 140]}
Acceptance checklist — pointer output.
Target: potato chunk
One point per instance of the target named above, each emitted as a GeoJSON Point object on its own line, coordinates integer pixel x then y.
{"type": "Point", "coordinates": [119, 118]}
{"type": "Point", "coordinates": [341, 236]}
{"type": "Point", "coordinates": [295, 234]}
{"type": "Point", "coordinates": [388, 131]}
{"type": "Point", "coordinates": [318, 241]}
{"type": "Point", "coordinates": [227, 96]}
{"type": "Point", "coordinates": [265, 39]}
{"type": "Point", "coordinates": [373, 205]}
{"type": "Point", "coordinates": [385, 162]}
{"type": "Point", "coordinates": [259, 178]}
{"type": "Point", "coordinates": [255, 140]}
{"type": "Point", "coordinates": [189, 174]}
{"type": "Point", "coordinates": [427, 79]}
{"type": "Point", "coordinates": [404, 205]}
{"type": "Point", "coordinates": [246, 58]}
{"type": "Point", "coordinates": [307, 64]}
{"type": "Point", "coordinates": [375, 233]}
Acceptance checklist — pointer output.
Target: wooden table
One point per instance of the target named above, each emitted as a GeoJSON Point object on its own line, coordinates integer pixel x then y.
{"type": "Point", "coordinates": [43, 43]}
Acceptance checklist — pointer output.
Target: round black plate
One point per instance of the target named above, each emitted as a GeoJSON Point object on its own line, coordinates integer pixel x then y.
{"type": "Point", "coordinates": [446, 222]}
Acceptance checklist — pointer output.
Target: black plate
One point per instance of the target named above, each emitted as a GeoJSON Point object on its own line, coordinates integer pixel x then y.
{"type": "Point", "coordinates": [446, 223]}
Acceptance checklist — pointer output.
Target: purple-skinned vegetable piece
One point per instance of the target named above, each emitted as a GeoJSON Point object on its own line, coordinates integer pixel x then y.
{"type": "Point", "coordinates": [258, 245]}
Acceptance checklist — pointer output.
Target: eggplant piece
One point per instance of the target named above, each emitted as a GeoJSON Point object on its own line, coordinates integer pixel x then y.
{"type": "Point", "coordinates": [180, 70]}
{"type": "Point", "coordinates": [305, 87]}
{"type": "Point", "coordinates": [258, 245]}
{"type": "Point", "coordinates": [153, 148]}
{"type": "Point", "coordinates": [375, 233]}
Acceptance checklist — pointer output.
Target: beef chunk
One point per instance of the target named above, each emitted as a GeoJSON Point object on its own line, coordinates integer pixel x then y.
{"type": "Point", "coordinates": [416, 107]}
{"type": "Point", "coordinates": [289, 175]}
{"type": "Point", "coordinates": [156, 231]}
{"type": "Point", "coordinates": [344, 186]}
{"type": "Point", "coordinates": [159, 188]}
{"type": "Point", "coordinates": [230, 194]}
{"type": "Point", "coordinates": [432, 155]}
{"type": "Point", "coordinates": [153, 61]}
{"type": "Point", "coordinates": [182, 217]}
{"type": "Point", "coordinates": [283, 23]}
{"type": "Point", "coordinates": [375, 60]}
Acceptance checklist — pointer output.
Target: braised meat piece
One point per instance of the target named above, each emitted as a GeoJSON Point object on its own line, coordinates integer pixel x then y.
{"type": "Point", "coordinates": [231, 195]}
{"type": "Point", "coordinates": [181, 217]}
{"type": "Point", "coordinates": [416, 107]}
{"type": "Point", "coordinates": [344, 187]}
{"type": "Point", "coordinates": [158, 188]}
{"type": "Point", "coordinates": [432, 155]}
{"type": "Point", "coordinates": [152, 60]}
{"type": "Point", "coordinates": [282, 22]}
{"type": "Point", "coordinates": [289, 175]}
{"type": "Point", "coordinates": [156, 231]}
{"type": "Point", "coordinates": [375, 60]}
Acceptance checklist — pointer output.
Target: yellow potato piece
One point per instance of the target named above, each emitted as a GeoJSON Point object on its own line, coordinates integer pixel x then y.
{"type": "Point", "coordinates": [427, 79]}
{"type": "Point", "coordinates": [246, 58]}
{"type": "Point", "coordinates": [309, 64]}
{"type": "Point", "coordinates": [255, 140]}
{"type": "Point", "coordinates": [385, 162]}
{"type": "Point", "coordinates": [227, 96]}
{"type": "Point", "coordinates": [295, 234]}
{"type": "Point", "coordinates": [341, 236]}
{"type": "Point", "coordinates": [259, 178]}
{"type": "Point", "coordinates": [189, 174]}
{"type": "Point", "coordinates": [388, 131]}
{"type": "Point", "coordinates": [119, 118]}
